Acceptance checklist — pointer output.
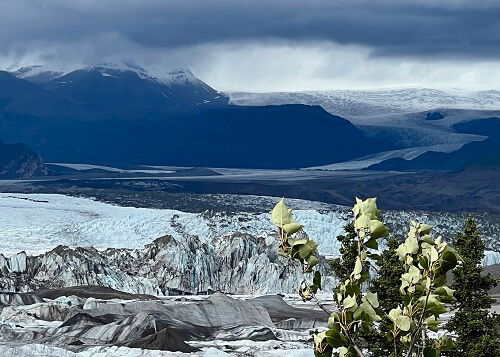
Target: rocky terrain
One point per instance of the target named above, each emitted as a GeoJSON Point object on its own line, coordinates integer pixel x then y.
{"type": "Point", "coordinates": [19, 161]}
{"type": "Point", "coordinates": [73, 322]}
{"type": "Point", "coordinates": [238, 264]}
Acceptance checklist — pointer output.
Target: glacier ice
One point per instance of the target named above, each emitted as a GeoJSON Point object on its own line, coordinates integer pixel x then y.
{"type": "Point", "coordinates": [104, 244]}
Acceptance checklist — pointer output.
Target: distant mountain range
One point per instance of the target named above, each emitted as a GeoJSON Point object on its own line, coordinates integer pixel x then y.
{"type": "Point", "coordinates": [123, 90]}
{"type": "Point", "coordinates": [121, 113]}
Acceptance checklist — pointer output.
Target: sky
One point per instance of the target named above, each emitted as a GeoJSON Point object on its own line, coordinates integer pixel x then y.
{"type": "Point", "coordinates": [266, 45]}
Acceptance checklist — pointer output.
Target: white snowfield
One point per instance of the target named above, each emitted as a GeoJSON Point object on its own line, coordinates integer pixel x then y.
{"type": "Point", "coordinates": [36, 223]}
{"type": "Point", "coordinates": [368, 103]}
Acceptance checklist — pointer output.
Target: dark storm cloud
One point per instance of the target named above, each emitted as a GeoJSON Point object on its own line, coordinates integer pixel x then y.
{"type": "Point", "coordinates": [421, 28]}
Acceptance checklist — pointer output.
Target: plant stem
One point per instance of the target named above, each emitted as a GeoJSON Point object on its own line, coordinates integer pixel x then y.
{"type": "Point", "coordinates": [356, 347]}
{"type": "Point", "coordinates": [419, 325]}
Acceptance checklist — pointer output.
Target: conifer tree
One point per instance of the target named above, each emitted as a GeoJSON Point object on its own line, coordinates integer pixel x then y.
{"type": "Point", "coordinates": [386, 284]}
{"type": "Point", "coordinates": [477, 330]}
{"type": "Point", "coordinates": [343, 265]}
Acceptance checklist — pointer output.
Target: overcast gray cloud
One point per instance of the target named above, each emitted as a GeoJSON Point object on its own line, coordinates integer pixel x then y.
{"type": "Point", "coordinates": [419, 33]}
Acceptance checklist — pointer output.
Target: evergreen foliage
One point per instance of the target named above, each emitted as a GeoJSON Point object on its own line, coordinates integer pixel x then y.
{"type": "Point", "coordinates": [342, 266]}
{"type": "Point", "coordinates": [386, 286]}
{"type": "Point", "coordinates": [477, 330]}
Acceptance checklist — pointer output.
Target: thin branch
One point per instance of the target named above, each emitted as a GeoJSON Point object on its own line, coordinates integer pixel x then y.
{"type": "Point", "coordinates": [419, 325]}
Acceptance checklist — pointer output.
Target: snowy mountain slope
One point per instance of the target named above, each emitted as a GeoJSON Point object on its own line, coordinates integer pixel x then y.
{"type": "Point", "coordinates": [364, 103]}
{"type": "Point", "coordinates": [38, 73]}
{"type": "Point", "coordinates": [46, 73]}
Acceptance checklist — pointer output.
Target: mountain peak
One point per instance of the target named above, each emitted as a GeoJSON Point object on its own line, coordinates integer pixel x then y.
{"type": "Point", "coordinates": [45, 73]}
{"type": "Point", "coordinates": [38, 73]}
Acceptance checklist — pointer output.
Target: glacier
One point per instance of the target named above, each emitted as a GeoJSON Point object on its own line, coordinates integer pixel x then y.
{"type": "Point", "coordinates": [36, 223]}
{"type": "Point", "coordinates": [369, 103]}
{"type": "Point", "coordinates": [51, 240]}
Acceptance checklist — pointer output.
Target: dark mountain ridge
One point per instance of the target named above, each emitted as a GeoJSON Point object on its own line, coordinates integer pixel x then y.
{"type": "Point", "coordinates": [121, 114]}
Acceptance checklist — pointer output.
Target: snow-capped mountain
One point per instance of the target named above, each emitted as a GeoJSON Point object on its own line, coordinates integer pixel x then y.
{"type": "Point", "coordinates": [46, 73]}
{"type": "Point", "coordinates": [363, 103]}
{"type": "Point", "coordinates": [38, 73]}
{"type": "Point", "coordinates": [130, 91]}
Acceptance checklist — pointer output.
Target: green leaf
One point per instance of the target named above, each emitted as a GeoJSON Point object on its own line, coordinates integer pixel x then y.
{"type": "Point", "coordinates": [377, 229]}
{"type": "Point", "coordinates": [451, 250]}
{"type": "Point", "coordinates": [427, 239]}
{"type": "Point", "coordinates": [433, 323]}
{"type": "Point", "coordinates": [403, 323]}
{"type": "Point", "coordinates": [362, 222]}
{"type": "Point", "coordinates": [317, 279]}
{"type": "Point", "coordinates": [425, 228]}
{"type": "Point", "coordinates": [424, 262]}
{"type": "Point", "coordinates": [434, 255]}
{"type": "Point", "coordinates": [305, 250]}
{"type": "Point", "coordinates": [291, 228]}
{"type": "Point", "coordinates": [352, 289]}
{"type": "Point", "coordinates": [372, 299]}
{"type": "Point", "coordinates": [312, 261]}
{"type": "Point", "coordinates": [334, 338]}
{"type": "Point", "coordinates": [411, 245]}
{"type": "Point", "coordinates": [449, 261]}
{"type": "Point", "coordinates": [358, 266]}
{"type": "Point", "coordinates": [434, 305]}
{"type": "Point", "coordinates": [366, 313]}
{"type": "Point", "coordinates": [334, 321]}
{"type": "Point", "coordinates": [281, 214]}
{"type": "Point", "coordinates": [444, 291]}
{"type": "Point", "coordinates": [446, 343]}
{"type": "Point", "coordinates": [296, 242]}
{"type": "Point", "coordinates": [343, 352]}
{"type": "Point", "coordinates": [369, 207]}
{"type": "Point", "coordinates": [395, 313]}
{"type": "Point", "coordinates": [401, 251]}
{"type": "Point", "coordinates": [371, 243]}
{"type": "Point", "coordinates": [350, 302]}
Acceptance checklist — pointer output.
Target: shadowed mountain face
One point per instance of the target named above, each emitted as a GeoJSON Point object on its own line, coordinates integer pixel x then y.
{"type": "Point", "coordinates": [19, 161]}
{"type": "Point", "coordinates": [115, 114]}
{"type": "Point", "coordinates": [255, 137]}
{"type": "Point", "coordinates": [287, 136]}
{"type": "Point", "coordinates": [131, 92]}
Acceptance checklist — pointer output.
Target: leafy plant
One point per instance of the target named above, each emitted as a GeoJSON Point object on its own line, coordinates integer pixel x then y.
{"type": "Point", "coordinates": [301, 250]}
{"type": "Point", "coordinates": [426, 262]}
